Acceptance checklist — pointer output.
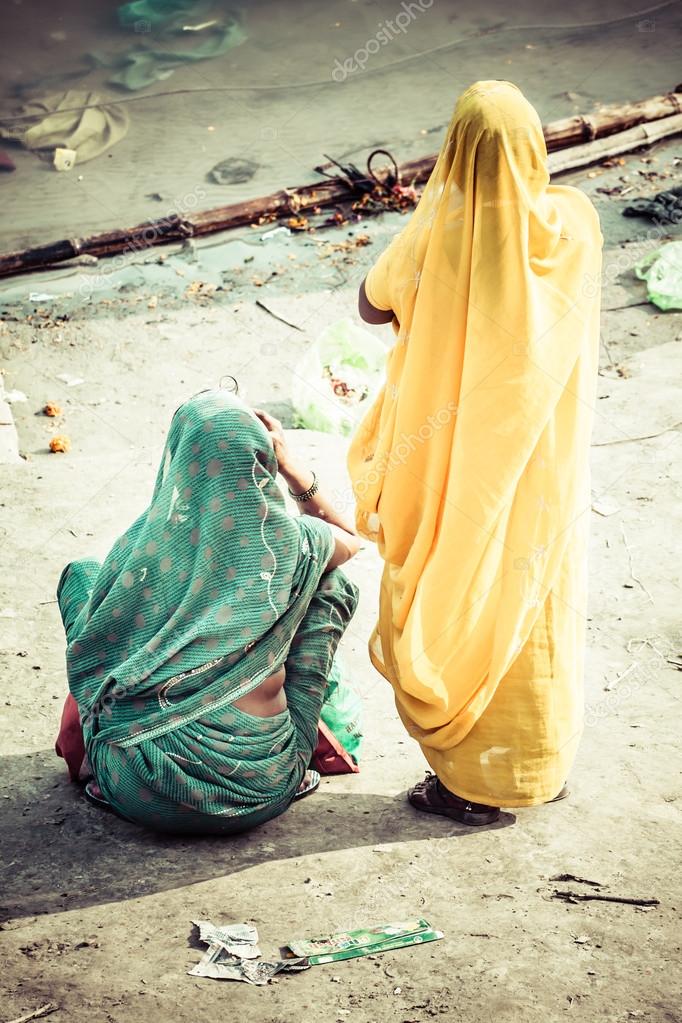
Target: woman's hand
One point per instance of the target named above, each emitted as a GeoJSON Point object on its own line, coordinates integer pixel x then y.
{"type": "Point", "coordinates": [279, 441]}
{"type": "Point", "coordinates": [297, 476]}
{"type": "Point", "coordinates": [300, 480]}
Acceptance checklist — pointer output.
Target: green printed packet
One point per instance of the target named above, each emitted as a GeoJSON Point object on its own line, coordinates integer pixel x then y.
{"type": "Point", "coordinates": [331, 948]}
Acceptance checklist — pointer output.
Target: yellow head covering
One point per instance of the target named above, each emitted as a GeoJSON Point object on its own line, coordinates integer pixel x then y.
{"type": "Point", "coordinates": [471, 468]}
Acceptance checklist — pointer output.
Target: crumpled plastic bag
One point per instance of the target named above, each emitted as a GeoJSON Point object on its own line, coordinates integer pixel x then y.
{"type": "Point", "coordinates": [342, 711]}
{"type": "Point", "coordinates": [338, 378]}
{"type": "Point", "coordinates": [143, 65]}
{"type": "Point", "coordinates": [76, 119]}
{"type": "Point", "coordinates": [662, 271]}
{"type": "Point", "coordinates": [159, 13]}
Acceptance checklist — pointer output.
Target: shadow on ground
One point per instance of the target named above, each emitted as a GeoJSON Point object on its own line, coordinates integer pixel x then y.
{"type": "Point", "coordinates": [62, 853]}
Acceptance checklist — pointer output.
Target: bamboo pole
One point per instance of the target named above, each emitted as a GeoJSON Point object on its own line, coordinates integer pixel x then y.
{"type": "Point", "coordinates": [611, 119]}
{"type": "Point", "coordinates": [561, 134]}
{"type": "Point", "coordinates": [613, 145]}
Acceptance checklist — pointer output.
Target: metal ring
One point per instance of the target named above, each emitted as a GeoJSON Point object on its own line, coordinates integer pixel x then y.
{"type": "Point", "coordinates": [391, 157]}
{"type": "Point", "coordinates": [232, 390]}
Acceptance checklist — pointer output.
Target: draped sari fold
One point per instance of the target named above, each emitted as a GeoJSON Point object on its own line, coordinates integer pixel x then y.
{"type": "Point", "coordinates": [471, 469]}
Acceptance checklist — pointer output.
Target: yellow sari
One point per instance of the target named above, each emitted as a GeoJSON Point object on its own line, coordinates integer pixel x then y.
{"type": "Point", "coordinates": [471, 469]}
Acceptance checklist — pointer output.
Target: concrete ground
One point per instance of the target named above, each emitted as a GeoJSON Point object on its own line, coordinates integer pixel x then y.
{"type": "Point", "coordinates": [96, 912]}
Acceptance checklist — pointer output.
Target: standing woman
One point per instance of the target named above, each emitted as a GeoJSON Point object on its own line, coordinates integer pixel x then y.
{"type": "Point", "coordinates": [471, 469]}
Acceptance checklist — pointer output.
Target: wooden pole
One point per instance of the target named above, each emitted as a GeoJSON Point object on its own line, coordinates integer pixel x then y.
{"type": "Point", "coordinates": [561, 134]}
{"type": "Point", "coordinates": [612, 145]}
{"type": "Point", "coordinates": [610, 119]}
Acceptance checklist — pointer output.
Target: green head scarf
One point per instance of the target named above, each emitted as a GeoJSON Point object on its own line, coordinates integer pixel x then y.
{"type": "Point", "coordinates": [197, 603]}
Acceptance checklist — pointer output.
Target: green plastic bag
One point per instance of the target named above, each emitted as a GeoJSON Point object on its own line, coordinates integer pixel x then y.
{"type": "Point", "coordinates": [342, 711]}
{"type": "Point", "coordinates": [662, 271]}
{"type": "Point", "coordinates": [159, 13]}
{"type": "Point", "coordinates": [338, 378]}
{"type": "Point", "coordinates": [143, 64]}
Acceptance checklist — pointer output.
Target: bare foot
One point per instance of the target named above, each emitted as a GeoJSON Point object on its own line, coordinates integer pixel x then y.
{"type": "Point", "coordinates": [311, 781]}
{"type": "Point", "coordinates": [307, 781]}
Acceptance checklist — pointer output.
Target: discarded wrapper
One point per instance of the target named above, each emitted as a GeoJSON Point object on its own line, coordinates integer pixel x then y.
{"type": "Point", "coordinates": [238, 939]}
{"type": "Point", "coordinates": [233, 952]}
{"type": "Point", "coordinates": [366, 941]}
{"type": "Point", "coordinates": [64, 159]}
{"type": "Point", "coordinates": [220, 965]}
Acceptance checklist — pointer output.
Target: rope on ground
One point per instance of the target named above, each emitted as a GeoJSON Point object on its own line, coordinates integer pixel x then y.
{"type": "Point", "coordinates": [631, 440]}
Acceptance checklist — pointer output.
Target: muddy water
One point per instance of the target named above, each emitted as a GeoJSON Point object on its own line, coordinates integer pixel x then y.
{"type": "Point", "coordinates": [310, 78]}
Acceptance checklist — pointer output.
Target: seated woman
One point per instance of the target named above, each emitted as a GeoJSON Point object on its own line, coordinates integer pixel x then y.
{"type": "Point", "coordinates": [199, 651]}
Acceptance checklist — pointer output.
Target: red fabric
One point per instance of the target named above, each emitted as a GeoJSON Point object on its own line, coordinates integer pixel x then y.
{"type": "Point", "coordinates": [6, 161]}
{"type": "Point", "coordinates": [69, 744]}
{"type": "Point", "coordinates": [330, 757]}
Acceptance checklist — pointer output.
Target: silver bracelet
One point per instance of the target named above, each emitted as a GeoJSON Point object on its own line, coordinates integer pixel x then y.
{"type": "Point", "coordinates": [307, 494]}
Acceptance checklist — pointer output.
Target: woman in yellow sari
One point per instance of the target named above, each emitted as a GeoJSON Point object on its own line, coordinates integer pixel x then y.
{"type": "Point", "coordinates": [471, 469]}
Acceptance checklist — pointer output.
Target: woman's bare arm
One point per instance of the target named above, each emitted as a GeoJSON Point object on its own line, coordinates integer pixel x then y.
{"type": "Point", "coordinates": [370, 313]}
{"type": "Point", "coordinates": [346, 541]}
{"type": "Point", "coordinates": [299, 479]}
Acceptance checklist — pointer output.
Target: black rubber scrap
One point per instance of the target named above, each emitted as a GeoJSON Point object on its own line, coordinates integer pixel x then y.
{"type": "Point", "coordinates": [666, 207]}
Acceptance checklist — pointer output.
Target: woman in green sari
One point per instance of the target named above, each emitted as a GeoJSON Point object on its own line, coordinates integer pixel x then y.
{"type": "Point", "coordinates": [199, 651]}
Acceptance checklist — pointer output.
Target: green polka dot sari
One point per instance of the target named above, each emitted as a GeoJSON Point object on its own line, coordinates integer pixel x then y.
{"type": "Point", "coordinates": [212, 589]}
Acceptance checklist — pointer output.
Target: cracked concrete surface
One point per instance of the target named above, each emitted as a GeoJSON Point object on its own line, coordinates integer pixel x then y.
{"type": "Point", "coordinates": [97, 911]}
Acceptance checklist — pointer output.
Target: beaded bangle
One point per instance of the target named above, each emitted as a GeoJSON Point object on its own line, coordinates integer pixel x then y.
{"type": "Point", "coordinates": [307, 494]}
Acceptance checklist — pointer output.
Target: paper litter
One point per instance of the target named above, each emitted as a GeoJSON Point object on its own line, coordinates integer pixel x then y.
{"type": "Point", "coordinates": [237, 939]}
{"type": "Point", "coordinates": [64, 159]}
{"type": "Point", "coordinates": [233, 954]}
